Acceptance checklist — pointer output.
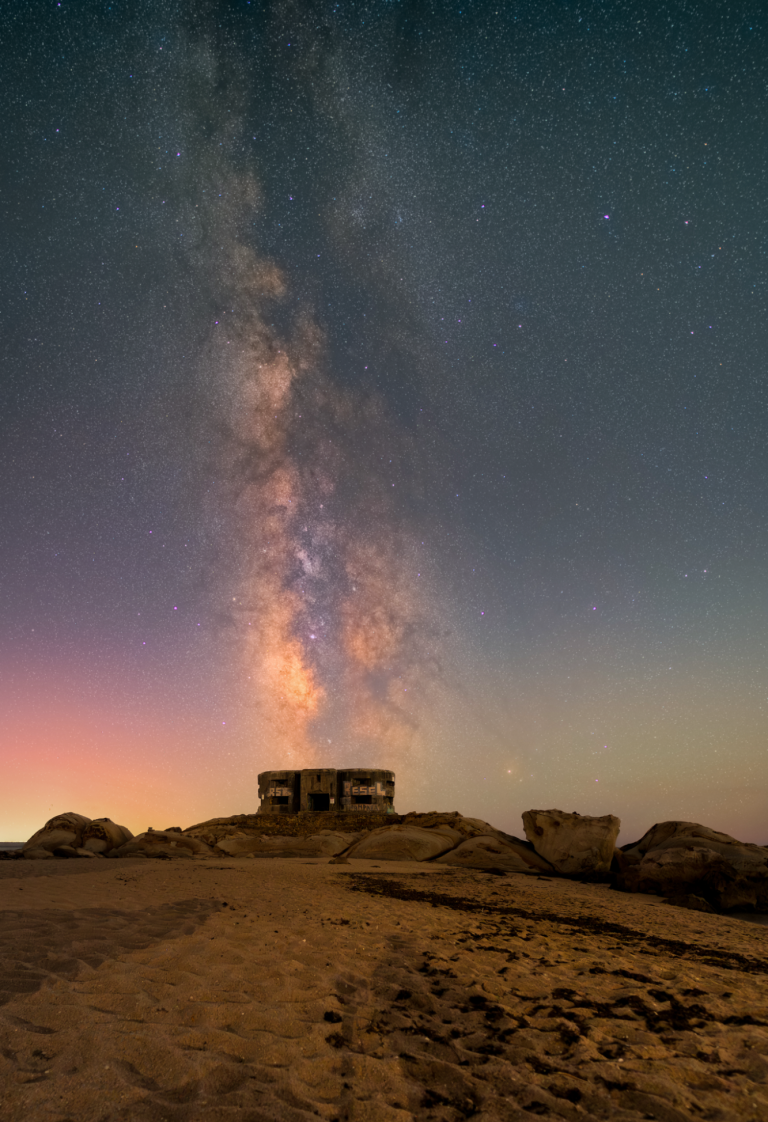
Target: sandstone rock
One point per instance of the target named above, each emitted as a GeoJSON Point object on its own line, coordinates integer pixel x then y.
{"type": "Point", "coordinates": [574, 844]}
{"type": "Point", "coordinates": [437, 836]}
{"type": "Point", "coordinates": [102, 834]}
{"type": "Point", "coordinates": [679, 859]}
{"type": "Point", "coordinates": [744, 856]}
{"type": "Point", "coordinates": [325, 844]}
{"type": "Point", "coordinates": [158, 843]}
{"type": "Point", "coordinates": [35, 853]}
{"type": "Point", "coordinates": [405, 843]}
{"type": "Point", "coordinates": [693, 870]}
{"type": "Point", "coordinates": [467, 827]}
{"type": "Point", "coordinates": [62, 829]}
{"type": "Point", "coordinates": [484, 852]}
{"type": "Point", "coordinates": [304, 825]}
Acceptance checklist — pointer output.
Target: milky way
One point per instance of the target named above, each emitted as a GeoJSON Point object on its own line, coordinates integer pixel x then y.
{"type": "Point", "coordinates": [330, 607]}
{"type": "Point", "coordinates": [328, 600]}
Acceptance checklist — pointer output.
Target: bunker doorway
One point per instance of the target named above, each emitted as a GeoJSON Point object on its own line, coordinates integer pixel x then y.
{"type": "Point", "coordinates": [319, 801]}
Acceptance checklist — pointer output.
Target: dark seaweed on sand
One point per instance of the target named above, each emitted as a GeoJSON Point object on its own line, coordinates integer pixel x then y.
{"type": "Point", "coordinates": [712, 956]}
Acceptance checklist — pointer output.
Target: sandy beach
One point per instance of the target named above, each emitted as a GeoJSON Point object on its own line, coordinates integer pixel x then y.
{"type": "Point", "coordinates": [140, 990]}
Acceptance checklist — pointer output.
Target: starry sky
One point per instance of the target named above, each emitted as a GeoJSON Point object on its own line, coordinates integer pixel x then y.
{"type": "Point", "coordinates": [384, 383]}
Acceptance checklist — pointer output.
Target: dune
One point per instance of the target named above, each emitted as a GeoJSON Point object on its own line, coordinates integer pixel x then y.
{"type": "Point", "coordinates": [297, 989]}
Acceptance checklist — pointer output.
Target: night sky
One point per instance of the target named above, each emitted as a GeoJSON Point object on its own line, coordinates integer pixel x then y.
{"type": "Point", "coordinates": [384, 383]}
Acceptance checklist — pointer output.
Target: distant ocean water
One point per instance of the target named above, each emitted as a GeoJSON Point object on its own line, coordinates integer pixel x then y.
{"type": "Point", "coordinates": [11, 845]}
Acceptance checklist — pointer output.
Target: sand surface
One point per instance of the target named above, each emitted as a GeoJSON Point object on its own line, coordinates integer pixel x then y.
{"type": "Point", "coordinates": [295, 989]}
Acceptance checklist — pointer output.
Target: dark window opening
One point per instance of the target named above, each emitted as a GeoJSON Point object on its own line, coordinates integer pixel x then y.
{"type": "Point", "coordinates": [280, 800]}
{"type": "Point", "coordinates": [362, 799]}
{"type": "Point", "coordinates": [319, 801]}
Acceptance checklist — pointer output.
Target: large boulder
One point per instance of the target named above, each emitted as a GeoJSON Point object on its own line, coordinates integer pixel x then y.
{"type": "Point", "coordinates": [684, 859]}
{"type": "Point", "coordinates": [61, 830]}
{"type": "Point", "coordinates": [450, 839]}
{"type": "Point", "coordinates": [162, 843]}
{"type": "Point", "coordinates": [574, 844]}
{"type": "Point", "coordinates": [746, 857]}
{"type": "Point", "coordinates": [405, 843]}
{"type": "Point", "coordinates": [102, 834]}
{"type": "Point", "coordinates": [486, 852]}
{"type": "Point", "coordinates": [327, 843]}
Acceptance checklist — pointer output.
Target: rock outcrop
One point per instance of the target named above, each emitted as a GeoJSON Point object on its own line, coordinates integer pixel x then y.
{"type": "Point", "coordinates": [574, 844]}
{"type": "Point", "coordinates": [450, 839]}
{"type": "Point", "coordinates": [487, 852]}
{"type": "Point", "coordinates": [682, 860]}
{"type": "Point", "coordinates": [162, 843]}
{"type": "Point", "coordinates": [74, 835]}
{"type": "Point", "coordinates": [102, 835]}
{"type": "Point", "coordinates": [405, 843]}
{"type": "Point", "coordinates": [324, 844]}
{"type": "Point", "coordinates": [690, 865]}
{"type": "Point", "coordinates": [63, 831]}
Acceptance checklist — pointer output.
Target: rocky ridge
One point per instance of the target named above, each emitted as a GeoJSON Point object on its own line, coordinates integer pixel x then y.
{"type": "Point", "coordinates": [688, 864]}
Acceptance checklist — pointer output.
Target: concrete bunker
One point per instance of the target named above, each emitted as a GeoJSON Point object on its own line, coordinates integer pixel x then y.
{"type": "Point", "coordinates": [318, 790]}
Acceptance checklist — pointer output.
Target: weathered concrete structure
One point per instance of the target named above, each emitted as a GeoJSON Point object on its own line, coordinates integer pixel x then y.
{"type": "Point", "coordinates": [354, 790]}
{"type": "Point", "coordinates": [279, 792]}
{"type": "Point", "coordinates": [367, 789]}
{"type": "Point", "coordinates": [318, 789]}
